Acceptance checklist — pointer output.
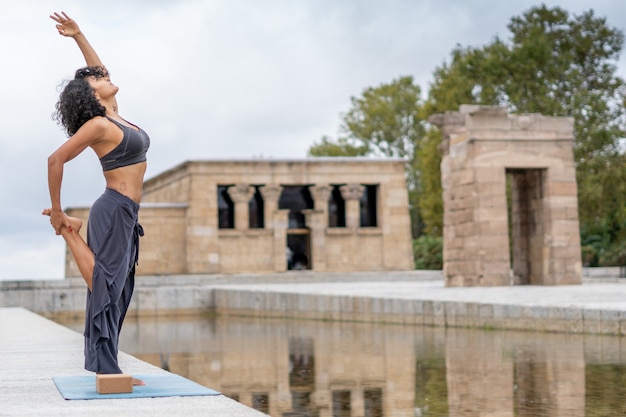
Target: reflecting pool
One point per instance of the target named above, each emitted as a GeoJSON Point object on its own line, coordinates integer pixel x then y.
{"type": "Point", "coordinates": [294, 368]}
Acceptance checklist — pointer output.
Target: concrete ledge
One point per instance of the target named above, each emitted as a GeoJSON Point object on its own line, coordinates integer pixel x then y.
{"type": "Point", "coordinates": [410, 297]}
{"type": "Point", "coordinates": [608, 272]}
{"type": "Point", "coordinates": [598, 308]}
{"type": "Point", "coordinates": [34, 349]}
{"type": "Point", "coordinates": [175, 294]}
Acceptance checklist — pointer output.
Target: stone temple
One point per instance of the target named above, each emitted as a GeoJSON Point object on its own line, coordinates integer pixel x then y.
{"type": "Point", "coordinates": [267, 215]}
{"type": "Point", "coordinates": [510, 198]}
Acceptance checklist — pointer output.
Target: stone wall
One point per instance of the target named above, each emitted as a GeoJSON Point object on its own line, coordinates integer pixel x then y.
{"type": "Point", "coordinates": [179, 213]}
{"type": "Point", "coordinates": [482, 145]}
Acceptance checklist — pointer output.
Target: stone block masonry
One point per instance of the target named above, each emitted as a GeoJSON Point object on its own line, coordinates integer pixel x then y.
{"type": "Point", "coordinates": [241, 216]}
{"type": "Point", "coordinates": [510, 199]}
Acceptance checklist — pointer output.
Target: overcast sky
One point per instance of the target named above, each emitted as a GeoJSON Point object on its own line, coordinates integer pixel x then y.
{"type": "Point", "coordinates": [212, 79]}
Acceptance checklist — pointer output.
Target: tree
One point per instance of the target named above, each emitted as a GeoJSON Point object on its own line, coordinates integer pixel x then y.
{"type": "Point", "coordinates": [384, 122]}
{"type": "Point", "coordinates": [429, 200]}
{"type": "Point", "coordinates": [554, 64]}
{"type": "Point", "coordinates": [343, 147]}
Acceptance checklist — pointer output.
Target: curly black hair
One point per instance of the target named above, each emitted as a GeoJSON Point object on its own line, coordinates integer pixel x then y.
{"type": "Point", "coordinates": [77, 102]}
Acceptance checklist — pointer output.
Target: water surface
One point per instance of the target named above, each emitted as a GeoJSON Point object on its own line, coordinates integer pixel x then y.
{"type": "Point", "coordinates": [299, 368]}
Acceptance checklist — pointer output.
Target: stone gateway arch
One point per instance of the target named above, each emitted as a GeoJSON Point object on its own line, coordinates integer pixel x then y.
{"type": "Point", "coordinates": [510, 198]}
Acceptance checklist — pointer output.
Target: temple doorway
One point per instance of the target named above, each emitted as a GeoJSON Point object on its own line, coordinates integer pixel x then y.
{"type": "Point", "coordinates": [525, 188]}
{"type": "Point", "coordinates": [297, 198]}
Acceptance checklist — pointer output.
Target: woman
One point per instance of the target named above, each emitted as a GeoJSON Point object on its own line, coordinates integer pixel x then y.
{"type": "Point", "coordinates": [88, 110]}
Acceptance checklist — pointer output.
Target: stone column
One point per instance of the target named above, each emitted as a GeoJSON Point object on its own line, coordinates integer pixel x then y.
{"type": "Point", "coordinates": [317, 221]}
{"type": "Point", "coordinates": [276, 220]}
{"type": "Point", "coordinates": [271, 194]}
{"type": "Point", "coordinates": [352, 193]}
{"type": "Point", "coordinates": [241, 195]}
{"type": "Point", "coordinates": [280, 224]}
{"type": "Point", "coordinates": [321, 194]}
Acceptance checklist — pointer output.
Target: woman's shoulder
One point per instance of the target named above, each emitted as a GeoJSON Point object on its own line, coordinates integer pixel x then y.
{"type": "Point", "coordinates": [97, 121]}
{"type": "Point", "coordinates": [98, 124]}
{"type": "Point", "coordinates": [96, 128]}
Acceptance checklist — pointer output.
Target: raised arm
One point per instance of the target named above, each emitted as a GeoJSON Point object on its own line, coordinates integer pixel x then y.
{"type": "Point", "coordinates": [68, 27]}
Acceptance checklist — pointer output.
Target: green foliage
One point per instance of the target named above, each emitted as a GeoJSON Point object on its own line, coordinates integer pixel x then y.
{"type": "Point", "coordinates": [428, 252]}
{"type": "Point", "coordinates": [386, 118]}
{"type": "Point", "coordinates": [592, 247]}
{"type": "Point", "coordinates": [343, 147]}
{"type": "Point", "coordinates": [560, 65]}
{"type": "Point", "coordinates": [430, 199]}
{"type": "Point", "coordinates": [615, 255]}
{"type": "Point", "coordinates": [602, 208]}
{"type": "Point", "coordinates": [554, 63]}
{"type": "Point", "coordinates": [598, 250]}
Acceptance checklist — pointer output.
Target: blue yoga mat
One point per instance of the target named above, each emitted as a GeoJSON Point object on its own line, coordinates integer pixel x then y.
{"type": "Point", "coordinates": [83, 387]}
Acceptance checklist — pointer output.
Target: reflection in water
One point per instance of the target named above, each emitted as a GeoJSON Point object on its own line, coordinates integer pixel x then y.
{"type": "Point", "coordinates": [301, 375]}
{"type": "Point", "coordinates": [341, 403]}
{"type": "Point", "coordinates": [261, 401]}
{"type": "Point", "coordinates": [291, 368]}
{"type": "Point", "coordinates": [531, 389]}
{"type": "Point", "coordinates": [373, 402]}
{"type": "Point", "coordinates": [606, 389]}
{"type": "Point", "coordinates": [430, 386]}
{"type": "Point", "coordinates": [301, 363]}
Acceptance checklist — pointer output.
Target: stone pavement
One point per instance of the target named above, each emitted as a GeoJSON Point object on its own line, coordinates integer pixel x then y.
{"type": "Point", "coordinates": [34, 349]}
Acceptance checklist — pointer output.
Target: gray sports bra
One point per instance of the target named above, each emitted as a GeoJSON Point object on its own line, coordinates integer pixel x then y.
{"type": "Point", "coordinates": [131, 150]}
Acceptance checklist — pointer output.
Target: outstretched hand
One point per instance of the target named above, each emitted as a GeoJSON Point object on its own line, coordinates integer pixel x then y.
{"type": "Point", "coordinates": [66, 25]}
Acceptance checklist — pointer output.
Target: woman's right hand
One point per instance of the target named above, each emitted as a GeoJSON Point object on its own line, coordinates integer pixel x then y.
{"type": "Point", "coordinates": [66, 25]}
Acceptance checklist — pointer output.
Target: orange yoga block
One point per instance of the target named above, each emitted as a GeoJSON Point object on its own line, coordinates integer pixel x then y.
{"type": "Point", "coordinates": [114, 384]}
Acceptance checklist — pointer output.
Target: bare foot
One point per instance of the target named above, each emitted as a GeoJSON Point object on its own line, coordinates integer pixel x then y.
{"type": "Point", "coordinates": [75, 222]}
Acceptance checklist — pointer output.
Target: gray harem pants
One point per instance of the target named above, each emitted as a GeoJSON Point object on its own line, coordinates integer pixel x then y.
{"type": "Point", "coordinates": [113, 235]}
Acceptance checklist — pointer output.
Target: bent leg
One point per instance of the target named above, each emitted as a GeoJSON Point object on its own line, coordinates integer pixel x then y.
{"type": "Point", "coordinates": [82, 254]}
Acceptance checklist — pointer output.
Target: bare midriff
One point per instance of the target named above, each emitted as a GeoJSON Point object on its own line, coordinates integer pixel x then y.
{"type": "Point", "coordinates": [127, 180]}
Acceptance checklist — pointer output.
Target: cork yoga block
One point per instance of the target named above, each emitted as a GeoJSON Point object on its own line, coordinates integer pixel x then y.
{"type": "Point", "coordinates": [114, 384]}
